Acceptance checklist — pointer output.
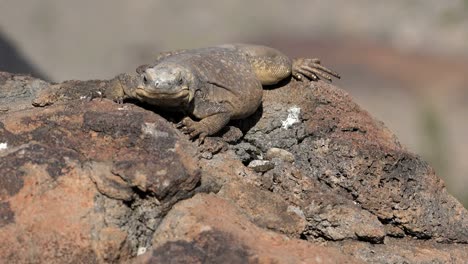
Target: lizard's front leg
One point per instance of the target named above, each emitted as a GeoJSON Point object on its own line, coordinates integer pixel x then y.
{"type": "Point", "coordinates": [205, 127]}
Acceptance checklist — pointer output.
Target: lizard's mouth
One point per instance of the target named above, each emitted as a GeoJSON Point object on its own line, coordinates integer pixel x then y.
{"type": "Point", "coordinates": [162, 98]}
{"type": "Point", "coordinates": [158, 94]}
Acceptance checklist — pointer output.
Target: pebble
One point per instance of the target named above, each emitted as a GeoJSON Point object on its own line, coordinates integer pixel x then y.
{"type": "Point", "coordinates": [261, 165]}
{"type": "Point", "coordinates": [280, 154]}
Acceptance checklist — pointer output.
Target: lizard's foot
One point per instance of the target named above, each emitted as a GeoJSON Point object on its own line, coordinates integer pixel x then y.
{"type": "Point", "coordinates": [193, 129]}
{"type": "Point", "coordinates": [93, 95]}
{"type": "Point", "coordinates": [312, 69]}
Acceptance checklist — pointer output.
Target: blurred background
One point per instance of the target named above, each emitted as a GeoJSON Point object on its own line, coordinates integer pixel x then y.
{"type": "Point", "coordinates": [406, 62]}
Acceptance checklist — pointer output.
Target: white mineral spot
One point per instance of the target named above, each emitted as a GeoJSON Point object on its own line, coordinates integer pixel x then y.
{"type": "Point", "coordinates": [293, 117]}
{"type": "Point", "coordinates": [205, 228]}
{"type": "Point", "coordinates": [166, 183]}
{"type": "Point", "coordinates": [83, 97]}
{"type": "Point", "coordinates": [3, 146]}
{"type": "Point", "coordinates": [161, 172]}
{"type": "Point", "coordinates": [141, 251]}
{"type": "Point", "coordinates": [296, 210]}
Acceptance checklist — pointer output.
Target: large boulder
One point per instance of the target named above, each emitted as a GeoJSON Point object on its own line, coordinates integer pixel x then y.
{"type": "Point", "coordinates": [88, 182]}
{"type": "Point", "coordinates": [309, 178]}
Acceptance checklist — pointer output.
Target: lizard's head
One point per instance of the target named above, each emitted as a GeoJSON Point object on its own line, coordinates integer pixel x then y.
{"type": "Point", "coordinates": [165, 85]}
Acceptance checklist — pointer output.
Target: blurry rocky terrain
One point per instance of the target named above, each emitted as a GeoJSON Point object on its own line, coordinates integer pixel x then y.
{"type": "Point", "coordinates": [311, 177]}
{"type": "Point", "coordinates": [405, 61]}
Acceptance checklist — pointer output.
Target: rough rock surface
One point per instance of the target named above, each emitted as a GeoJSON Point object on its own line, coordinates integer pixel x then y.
{"type": "Point", "coordinates": [88, 182]}
{"type": "Point", "coordinates": [98, 182]}
{"type": "Point", "coordinates": [16, 91]}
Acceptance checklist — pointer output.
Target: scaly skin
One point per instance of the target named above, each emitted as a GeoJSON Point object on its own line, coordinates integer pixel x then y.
{"type": "Point", "coordinates": [218, 84]}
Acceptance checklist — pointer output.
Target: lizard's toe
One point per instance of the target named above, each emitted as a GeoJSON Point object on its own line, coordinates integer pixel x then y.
{"type": "Point", "coordinates": [179, 125]}
{"type": "Point", "coordinates": [202, 137]}
{"type": "Point", "coordinates": [192, 129]}
{"type": "Point", "coordinates": [324, 70]}
{"type": "Point", "coordinates": [297, 76]}
{"type": "Point", "coordinates": [186, 122]}
{"type": "Point", "coordinates": [309, 75]}
{"type": "Point", "coordinates": [194, 134]}
{"type": "Point", "coordinates": [312, 69]}
{"type": "Point", "coordinates": [315, 70]}
{"type": "Point", "coordinates": [119, 100]}
{"type": "Point", "coordinates": [187, 130]}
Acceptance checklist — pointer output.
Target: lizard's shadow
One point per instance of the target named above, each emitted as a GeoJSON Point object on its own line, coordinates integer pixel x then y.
{"type": "Point", "coordinates": [247, 123]}
{"type": "Point", "coordinates": [280, 84]}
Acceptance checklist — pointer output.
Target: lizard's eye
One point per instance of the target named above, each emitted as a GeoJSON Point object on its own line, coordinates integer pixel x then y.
{"type": "Point", "coordinates": [181, 81]}
{"type": "Point", "coordinates": [144, 79]}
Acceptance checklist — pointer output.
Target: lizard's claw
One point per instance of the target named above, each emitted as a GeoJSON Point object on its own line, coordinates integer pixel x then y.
{"type": "Point", "coordinates": [119, 100]}
{"type": "Point", "coordinates": [312, 69]}
{"type": "Point", "coordinates": [193, 129]}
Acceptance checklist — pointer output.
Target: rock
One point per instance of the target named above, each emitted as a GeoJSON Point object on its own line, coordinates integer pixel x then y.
{"type": "Point", "coordinates": [265, 209]}
{"type": "Point", "coordinates": [231, 134]}
{"type": "Point", "coordinates": [405, 251]}
{"type": "Point", "coordinates": [246, 152]}
{"type": "Point", "coordinates": [86, 182]}
{"type": "Point", "coordinates": [278, 153]}
{"type": "Point", "coordinates": [329, 216]}
{"type": "Point", "coordinates": [211, 146]}
{"type": "Point", "coordinates": [18, 90]}
{"type": "Point", "coordinates": [261, 165]}
{"type": "Point", "coordinates": [98, 182]}
{"type": "Point", "coordinates": [84, 90]}
{"type": "Point", "coordinates": [333, 223]}
{"type": "Point", "coordinates": [190, 233]}
{"type": "Point", "coordinates": [357, 157]}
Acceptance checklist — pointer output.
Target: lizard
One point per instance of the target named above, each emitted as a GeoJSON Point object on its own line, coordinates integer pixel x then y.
{"type": "Point", "coordinates": [211, 85]}
{"type": "Point", "coordinates": [217, 84]}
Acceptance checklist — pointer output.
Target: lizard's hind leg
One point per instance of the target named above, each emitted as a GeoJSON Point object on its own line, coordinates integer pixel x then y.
{"type": "Point", "coordinates": [312, 69]}
{"type": "Point", "coordinates": [270, 65]}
